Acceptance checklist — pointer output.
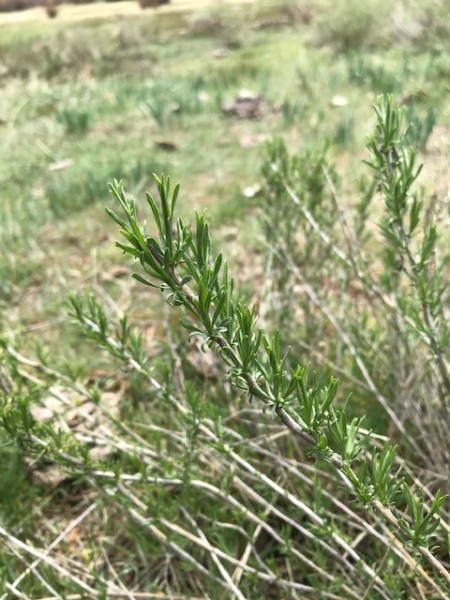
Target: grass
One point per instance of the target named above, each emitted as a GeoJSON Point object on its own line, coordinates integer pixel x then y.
{"type": "Point", "coordinates": [86, 101]}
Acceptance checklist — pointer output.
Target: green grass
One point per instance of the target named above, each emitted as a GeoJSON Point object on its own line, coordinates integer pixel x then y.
{"type": "Point", "coordinates": [85, 103]}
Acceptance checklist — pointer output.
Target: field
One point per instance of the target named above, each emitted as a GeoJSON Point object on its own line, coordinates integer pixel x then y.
{"type": "Point", "coordinates": [197, 91]}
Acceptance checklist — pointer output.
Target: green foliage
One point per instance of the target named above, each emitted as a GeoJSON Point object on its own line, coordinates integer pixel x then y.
{"type": "Point", "coordinates": [184, 269]}
{"type": "Point", "coordinates": [420, 129]}
{"type": "Point", "coordinates": [76, 122]}
{"type": "Point", "coordinates": [350, 461]}
{"type": "Point", "coordinates": [354, 25]}
{"type": "Point", "coordinates": [220, 458]}
{"type": "Point", "coordinates": [169, 102]}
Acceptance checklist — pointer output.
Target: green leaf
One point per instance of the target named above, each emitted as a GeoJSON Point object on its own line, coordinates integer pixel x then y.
{"type": "Point", "coordinates": [414, 216]}
{"type": "Point", "coordinates": [144, 281]}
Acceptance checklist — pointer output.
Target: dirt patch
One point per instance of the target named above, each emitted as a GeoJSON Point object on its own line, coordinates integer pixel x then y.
{"type": "Point", "coordinates": [80, 12]}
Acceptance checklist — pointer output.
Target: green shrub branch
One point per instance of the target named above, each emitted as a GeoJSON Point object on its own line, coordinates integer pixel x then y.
{"type": "Point", "coordinates": [180, 264]}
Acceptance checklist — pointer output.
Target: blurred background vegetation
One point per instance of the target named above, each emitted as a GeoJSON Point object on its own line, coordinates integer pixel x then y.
{"type": "Point", "coordinates": [86, 101]}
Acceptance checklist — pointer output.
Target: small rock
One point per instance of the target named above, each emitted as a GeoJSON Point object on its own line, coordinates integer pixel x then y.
{"type": "Point", "coordinates": [251, 191]}
{"type": "Point", "coordinates": [203, 97]}
{"type": "Point", "coordinates": [220, 53]}
{"type": "Point", "coordinates": [339, 101]}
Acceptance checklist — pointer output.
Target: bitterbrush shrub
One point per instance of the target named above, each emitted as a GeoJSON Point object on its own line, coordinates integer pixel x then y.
{"type": "Point", "coordinates": [263, 483]}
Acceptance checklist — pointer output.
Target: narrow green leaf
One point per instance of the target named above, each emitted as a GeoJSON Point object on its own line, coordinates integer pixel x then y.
{"type": "Point", "coordinates": [144, 281]}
